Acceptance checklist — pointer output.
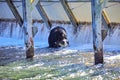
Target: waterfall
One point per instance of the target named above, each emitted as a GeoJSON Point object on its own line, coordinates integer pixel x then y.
{"type": "Point", "coordinates": [114, 38]}
{"type": "Point", "coordinates": [11, 30]}
{"type": "Point", "coordinates": [82, 37]}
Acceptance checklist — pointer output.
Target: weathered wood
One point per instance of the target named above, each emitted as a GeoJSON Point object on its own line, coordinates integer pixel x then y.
{"type": "Point", "coordinates": [34, 31]}
{"type": "Point", "coordinates": [55, 21]}
{"type": "Point", "coordinates": [69, 13]}
{"type": "Point", "coordinates": [105, 16]}
{"type": "Point", "coordinates": [76, 0]}
{"type": "Point", "coordinates": [96, 27]}
{"type": "Point", "coordinates": [43, 15]}
{"type": "Point", "coordinates": [106, 23]}
{"type": "Point", "coordinates": [27, 26]}
{"type": "Point", "coordinates": [58, 1]}
{"type": "Point", "coordinates": [15, 12]}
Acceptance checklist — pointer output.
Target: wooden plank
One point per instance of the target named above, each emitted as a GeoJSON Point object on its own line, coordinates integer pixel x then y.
{"type": "Point", "coordinates": [59, 1]}
{"type": "Point", "coordinates": [53, 21]}
{"type": "Point", "coordinates": [106, 18]}
{"type": "Point", "coordinates": [106, 23]}
{"type": "Point", "coordinates": [43, 15]}
{"type": "Point", "coordinates": [69, 13]}
{"type": "Point", "coordinates": [27, 26]}
{"type": "Point", "coordinates": [75, 1]}
{"type": "Point", "coordinates": [15, 12]}
{"type": "Point", "coordinates": [96, 6]}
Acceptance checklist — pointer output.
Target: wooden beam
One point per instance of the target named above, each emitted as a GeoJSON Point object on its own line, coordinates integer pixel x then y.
{"type": "Point", "coordinates": [96, 6]}
{"type": "Point", "coordinates": [69, 13]}
{"type": "Point", "coordinates": [54, 21]}
{"type": "Point", "coordinates": [106, 23]}
{"type": "Point", "coordinates": [59, 1]}
{"type": "Point", "coordinates": [12, 1]}
{"type": "Point", "coordinates": [15, 12]}
{"type": "Point", "coordinates": [43, 15]}
{"type": "Point", "coordinates": [76, 1]}
{"type": "Point", "coordinates": [27, 26]}
{"type": "Point", "coordinates": [105, 16]}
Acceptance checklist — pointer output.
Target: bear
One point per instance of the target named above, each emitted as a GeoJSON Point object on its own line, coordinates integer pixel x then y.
{"type": "Point", "coordinates": [58, 38]}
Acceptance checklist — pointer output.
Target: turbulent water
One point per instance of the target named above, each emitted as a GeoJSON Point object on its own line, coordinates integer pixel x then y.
{"type": "Point", "coordinates": [83, 35]}
{"type": "Point", "coordinates": [57, 64]}
{"type": "Point", "coordinates": [75, 62]}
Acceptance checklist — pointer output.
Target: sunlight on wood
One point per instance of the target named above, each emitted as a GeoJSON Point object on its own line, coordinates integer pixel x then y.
{"type": "Point", "coordinates": [31, 1]}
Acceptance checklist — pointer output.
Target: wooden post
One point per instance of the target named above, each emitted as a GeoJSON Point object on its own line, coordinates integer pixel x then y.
{"type": "Point", "coordinates": [71, 16]}
{"type": "Point", "coordinates": [15, 12]}
{"type": "Point", "coordinates": [96, 27]}
{"type": "Point", "coordinates": [106, 23]}
{"type": "Point", "coordinates": [27, 26]}
{"type": "Point", "coordinates": [43, 14]}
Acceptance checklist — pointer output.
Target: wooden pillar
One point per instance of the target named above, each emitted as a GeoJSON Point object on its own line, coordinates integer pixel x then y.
{"type": "Point", "coordinates": [27, 26]}
{"type": "Point", "coordinates": [105, 17]}
{"type": "Point", "coordinates": [106, 23]}
{"type": "Point", "coordinates": [15, 12]}
{"type": "Point", "coordinates": [70, 14]}
{"type": "Point", "coordinates": [96, 6]}
{"type": "Point", "coordinates": [43, 14]}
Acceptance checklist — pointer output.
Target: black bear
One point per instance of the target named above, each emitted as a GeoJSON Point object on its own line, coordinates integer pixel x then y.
{"type": "Point", "coordinates": [58, 38]}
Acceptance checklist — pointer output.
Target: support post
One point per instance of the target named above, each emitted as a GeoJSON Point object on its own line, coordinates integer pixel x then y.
{"type": "Point", "coordinates": [69, 13]}
{"type": "Point", "coordinates": [27, 26]}
{"type": "Point", "coordinates": [43, 14]}
{"type": "Point", "coordinates": [96, 27]}
{"type": "Point", "coordinates": [106, 23]}
{"type": "Point", "coordinates": [15, 12]}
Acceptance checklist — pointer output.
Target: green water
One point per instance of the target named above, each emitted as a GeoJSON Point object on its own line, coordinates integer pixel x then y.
{"type": "Point", "coordinates": [71, 66]}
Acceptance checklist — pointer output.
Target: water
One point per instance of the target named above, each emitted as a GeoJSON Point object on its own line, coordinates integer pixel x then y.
{"type": "Point", "coordinates": [11, 30]}
{"type": "Point", "coordinates": [71, 63]}
{"type": "Point", "coordinates": [82, 38]}
{"type": "Point", "coordinates": [59, 64]}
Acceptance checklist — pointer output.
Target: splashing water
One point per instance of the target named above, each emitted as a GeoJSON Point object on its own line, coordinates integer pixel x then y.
{"type": "Point", "coordinates": [71, 63]}
{"type": "Point", "coordinates": [82, 37]}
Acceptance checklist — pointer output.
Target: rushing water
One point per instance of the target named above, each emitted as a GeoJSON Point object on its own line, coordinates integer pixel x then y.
{"type": "Point", "coordinates": [10, 30]}
{"type": "Point", "coordinates": [83, 35]}
{"type": "Point", "coordinates": [58, 64]}
{"type": "Point", "coordinates": [71, 63]}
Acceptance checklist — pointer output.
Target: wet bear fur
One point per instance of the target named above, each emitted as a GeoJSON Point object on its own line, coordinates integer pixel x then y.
{"type": "Point", "coordinates": [58, 38]}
